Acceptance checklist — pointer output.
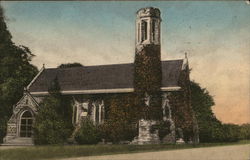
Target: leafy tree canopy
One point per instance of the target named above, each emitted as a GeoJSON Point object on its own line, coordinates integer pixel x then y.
{"type": "Point", "coordinates": [70, 65]}
{"type": "Point", "coordinates": [15, 72]}
{"type": "Point", "coordinates": [210, 128]}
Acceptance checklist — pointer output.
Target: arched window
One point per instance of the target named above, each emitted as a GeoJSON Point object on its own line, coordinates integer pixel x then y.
{"type": "Point", "coordinates": [26, 124]}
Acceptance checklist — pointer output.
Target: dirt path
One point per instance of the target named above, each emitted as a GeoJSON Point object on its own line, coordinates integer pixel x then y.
{"type": "Point", "coordinates": [234, 152]}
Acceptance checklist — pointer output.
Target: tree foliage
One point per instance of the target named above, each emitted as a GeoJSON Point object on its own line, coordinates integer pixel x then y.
{"type": "Point", "coordinates": [210, 128]}
{"type": "Point", "coordinates": [53, 121]}
{"type": "Point", "coordinates": [244, 131]}
{"type": "Point", "coordinates": [70, 65]}
{"type": "Point", "coordinates": [15, 73]}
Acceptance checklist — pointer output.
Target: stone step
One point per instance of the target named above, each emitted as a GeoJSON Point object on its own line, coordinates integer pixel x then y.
{"type": "Point", "coordinates": [19, 142]}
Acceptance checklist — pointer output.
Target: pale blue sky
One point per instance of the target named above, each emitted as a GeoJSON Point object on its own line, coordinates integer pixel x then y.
{"type": "Point", "coordinates": [214, 34]}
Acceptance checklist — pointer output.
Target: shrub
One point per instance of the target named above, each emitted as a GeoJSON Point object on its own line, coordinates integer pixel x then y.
{"type": "Point", "coordinates": [220, 133]}
{"type": "Point", "coordinates": [116, 131]}
{"type": "Point", "coordinates": [88, 133]}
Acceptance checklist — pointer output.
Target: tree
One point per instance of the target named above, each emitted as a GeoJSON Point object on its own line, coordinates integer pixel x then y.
{"type": "Point", "coordinates": [210, 128]}
{"type": "Point", "coordinates": [231, 132]}
{"type": "Point", "coordinates": [53, 121]}
{"type": "Point", "coordinates": [15, 73]}
{"type": "Point", "coordinates": [202, 102]}
{"type": "Point", "coordinates": [70, 65]}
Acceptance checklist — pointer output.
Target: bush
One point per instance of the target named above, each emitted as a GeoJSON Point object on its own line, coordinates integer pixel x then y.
{"type": "Point", "coordinates": [88, 133]}
{"type": "Point", "coordinates": [117, 131]}
{"type": "Point", "coordinates": [220, 132]}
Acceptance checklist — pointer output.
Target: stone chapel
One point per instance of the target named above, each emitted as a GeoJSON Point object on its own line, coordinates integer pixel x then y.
{"type": "Point", "coordinates": [105, 80]}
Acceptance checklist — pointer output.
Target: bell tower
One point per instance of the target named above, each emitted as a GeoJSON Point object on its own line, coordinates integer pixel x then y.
{"type": "Point", "coordinates": [147, 64]}
{"type": "Point", "coordinates": [148, 22]}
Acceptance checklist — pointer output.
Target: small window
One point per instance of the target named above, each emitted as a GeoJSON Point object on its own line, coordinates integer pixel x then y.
{"type": "Point", "coordinates": [97, 114]}
{"type": "Point", "coordinates": [144, 28]}
{"type": "Point", "coordinates": [138, 33]}
{"type": "Point", "coordinates": [153, 29]}
{"type": "Point", "coordinates": [75, 115]}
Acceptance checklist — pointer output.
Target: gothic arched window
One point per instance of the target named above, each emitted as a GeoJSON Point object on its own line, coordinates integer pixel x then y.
{"type": "Point", "coordinates": [26, 124]}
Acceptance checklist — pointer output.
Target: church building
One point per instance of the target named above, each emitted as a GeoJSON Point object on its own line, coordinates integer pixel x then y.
{"type": "Point", "coordinates": [85, 84]}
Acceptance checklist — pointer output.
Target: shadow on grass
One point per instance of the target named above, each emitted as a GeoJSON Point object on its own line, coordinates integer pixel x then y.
{"type": "Point", "coordinates": [50, 152]}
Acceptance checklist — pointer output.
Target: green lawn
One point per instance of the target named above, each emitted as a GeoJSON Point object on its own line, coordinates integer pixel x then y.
{"type": "Point", "coordinates": [50, 152]}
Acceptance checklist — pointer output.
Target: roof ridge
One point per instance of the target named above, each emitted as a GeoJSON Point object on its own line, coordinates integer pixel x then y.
{"type": "Point", "coordinates": [111, 64]}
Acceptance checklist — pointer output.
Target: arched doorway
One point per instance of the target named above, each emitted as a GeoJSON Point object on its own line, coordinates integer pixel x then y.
{"type": "Point", "coordinates": [26, 124]}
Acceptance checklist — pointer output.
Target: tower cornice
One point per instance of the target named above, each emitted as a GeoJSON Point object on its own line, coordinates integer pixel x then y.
{"type": "Point", "coordinates": [148, 12]}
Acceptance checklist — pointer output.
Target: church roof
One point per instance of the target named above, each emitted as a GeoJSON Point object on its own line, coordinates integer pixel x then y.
{"type": "Point", "coordinates": [102, 77]}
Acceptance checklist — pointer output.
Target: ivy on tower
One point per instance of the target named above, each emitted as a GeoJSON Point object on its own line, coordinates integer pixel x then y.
{"type": "Point", "coordinates": [147, 72]}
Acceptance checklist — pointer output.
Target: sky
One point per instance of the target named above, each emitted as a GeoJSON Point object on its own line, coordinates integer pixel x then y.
{"type": "Point", "coordinates": [215, 35]}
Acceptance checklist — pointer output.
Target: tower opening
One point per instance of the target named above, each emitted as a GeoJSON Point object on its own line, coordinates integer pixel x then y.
{"type": "Point", "coordinates": [153, 29]}
{"type": "Point", "coordinates": [144, 28]}
{"type": "Point", "coordinates": [138, 31]}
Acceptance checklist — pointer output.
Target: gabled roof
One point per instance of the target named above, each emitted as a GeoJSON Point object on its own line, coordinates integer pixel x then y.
{"type": "Point", "coordinates": [102, 77]}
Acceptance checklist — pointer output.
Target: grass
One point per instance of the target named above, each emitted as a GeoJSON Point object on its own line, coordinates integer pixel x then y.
{"type": "Point", "coordinates": [52, 152]}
